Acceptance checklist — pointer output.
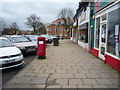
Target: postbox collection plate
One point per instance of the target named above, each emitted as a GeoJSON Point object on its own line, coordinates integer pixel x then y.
{"type": "Point", "coordinates": [40, 42]}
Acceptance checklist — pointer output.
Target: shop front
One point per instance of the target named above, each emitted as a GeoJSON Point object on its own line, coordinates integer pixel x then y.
{"type": "Point", "coordinates": [107, 35]}
{"type": "Point", "coordinates": [83, 22]}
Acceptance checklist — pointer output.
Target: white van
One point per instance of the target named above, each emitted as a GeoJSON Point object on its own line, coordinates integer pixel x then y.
{"type": "Point", "coordinates": [10, 56]}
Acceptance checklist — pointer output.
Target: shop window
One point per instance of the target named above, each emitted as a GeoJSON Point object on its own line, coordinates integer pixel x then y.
{"type": "Point", "coordinates": [97, 32]}
{"type": "Point", "coordinates": [83, 36]}
{"type": "Point", "coordinates": [113, 33]}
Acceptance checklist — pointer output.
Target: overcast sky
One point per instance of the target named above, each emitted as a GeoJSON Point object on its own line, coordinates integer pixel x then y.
{"type": "Point", "coordinates": [18, 10]}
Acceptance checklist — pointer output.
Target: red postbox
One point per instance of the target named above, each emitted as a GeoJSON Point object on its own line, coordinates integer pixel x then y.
{"type": "Point", "coordinates": [41, 48]}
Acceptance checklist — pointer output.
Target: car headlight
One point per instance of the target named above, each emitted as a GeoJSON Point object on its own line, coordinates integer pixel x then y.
{"type": "Point", "coordinates": [21, 54]}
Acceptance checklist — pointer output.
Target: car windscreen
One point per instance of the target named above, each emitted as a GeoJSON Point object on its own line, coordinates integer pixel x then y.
{"type": "Point", "coordinates": [8, 37]}
{"type": "Point", "coordinates": [5, 43]}
{"type": "Point", "coordinates": [33, 38]}
{"type": "Point", "coordinates": [20, 39]}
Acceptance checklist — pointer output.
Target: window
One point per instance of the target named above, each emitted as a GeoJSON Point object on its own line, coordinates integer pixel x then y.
{"type": "Point", "coordinates": [56, 29]}
{"type": "Point", "coordinates": [47, 29]}
{"type": "Point", "coordinates": [32, 37]}
{"type": "Point", "coordinates": [60, 23]}
{"type": "Point", "coordinates": [104, 17]}
{"type": "Point", "coordinates": [97, 32]}
{"type": "Point", "coordinates": [49, 34]}
{"type": "Point", "coordinates": [83, 35]}
{"type": "Point", "coordinates": [103, 36]}
{"type": "Point", "coordinates": [65, 30]}
{"type": "Point", "coordinates": [50, 29]}
{"type": "Point", "coordinates": [102, 50]}
{"type": "Point", "coordinates": [113, 33]}
{"type": "Point", "coordinates": [65, 34]}
{"type": "Point", "coordinates": [61, 34]}
{"type": "Point", "coordinates": [5, 43]}
{"type": "Point", "coordinates": [20, 39]}
{"type": "Point", "coordinates": [61, 29]}
{"type": "Point", "coordinates": [56, 23]}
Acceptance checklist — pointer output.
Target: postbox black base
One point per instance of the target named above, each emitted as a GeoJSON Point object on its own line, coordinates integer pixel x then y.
{"type": "Point", "coordinates": [41, 57]}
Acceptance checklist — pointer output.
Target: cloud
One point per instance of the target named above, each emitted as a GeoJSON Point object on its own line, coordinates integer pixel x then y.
{"type": "Point", "coordinates": [19, 11]}
{"type": "Point", "coordinates": [39, 0]}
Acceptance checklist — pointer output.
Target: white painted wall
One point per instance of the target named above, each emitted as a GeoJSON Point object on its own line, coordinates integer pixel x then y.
{"type": "Point", "coordinates": [84, 45]}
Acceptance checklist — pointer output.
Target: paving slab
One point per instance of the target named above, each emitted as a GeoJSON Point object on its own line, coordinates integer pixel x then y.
{"type": "Point", "coordinates": [62, 81]}
{"type": "Point", "coordinates": [75, 82]}
{"type": "Point", "coordinates": [89, 81]}
{"type": "Point", "coordinates": [80, 75]}
{"type": "Point", "coordinates": [104, 81]}
{"type": "Point", "coordinates": [84, 86]}
{"type": "Point", "coordinates": [38, 80]}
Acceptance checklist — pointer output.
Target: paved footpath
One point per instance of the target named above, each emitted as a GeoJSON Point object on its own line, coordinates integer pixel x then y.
{"type": "Point", "coordinates": [66, 66]}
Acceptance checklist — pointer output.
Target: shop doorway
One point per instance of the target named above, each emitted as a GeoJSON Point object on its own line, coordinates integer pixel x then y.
{"type": "Point", "coordinates": [102, 46]}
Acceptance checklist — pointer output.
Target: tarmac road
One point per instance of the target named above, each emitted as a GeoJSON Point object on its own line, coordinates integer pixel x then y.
{"type": "Point", "coordinates": [10, 73]}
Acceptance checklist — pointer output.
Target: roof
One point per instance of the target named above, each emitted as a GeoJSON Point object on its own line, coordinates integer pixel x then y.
{"type": "Point", "coordinates": [104, 7]}
{"type": "Point", "coordinates": [80, 8]}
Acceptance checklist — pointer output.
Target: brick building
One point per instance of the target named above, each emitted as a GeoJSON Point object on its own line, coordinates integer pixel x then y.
{"type": "Point", "coordinates": [57, 28]}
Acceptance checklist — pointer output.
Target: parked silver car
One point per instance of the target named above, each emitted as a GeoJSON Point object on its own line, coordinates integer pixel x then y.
{"type": "Point", "coordinates": [48, 38]}
{"type": "Point", "coordinates": [32, 38]}
{"type": "Point", "coordinates": [23, 43]}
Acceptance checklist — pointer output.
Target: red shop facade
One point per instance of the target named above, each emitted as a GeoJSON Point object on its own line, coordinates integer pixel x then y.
{"type": "Point", "coordinates": [107, 35]}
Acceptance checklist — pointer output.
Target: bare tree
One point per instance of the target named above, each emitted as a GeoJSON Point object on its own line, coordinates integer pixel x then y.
{"type": "Point", "coordinates": [66, 14]}
{"type": "Point", "coordinates": [14, 27]}
{"type": "Point", "coordinates": [42, 29]}
{"type": "Point", "coordinates": [33, 21]}
{"type": "Point", "coordinates": [4, 29]}
{"type": "Point", "coordinates": [2, 24]}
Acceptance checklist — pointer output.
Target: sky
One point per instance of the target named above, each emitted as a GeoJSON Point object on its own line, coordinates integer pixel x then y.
{"type": "Point", "coordinates": [18, 10]}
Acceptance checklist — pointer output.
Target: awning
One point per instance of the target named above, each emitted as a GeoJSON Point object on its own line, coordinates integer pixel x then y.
{"type": "Point", "coordinates": [83, 26]}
